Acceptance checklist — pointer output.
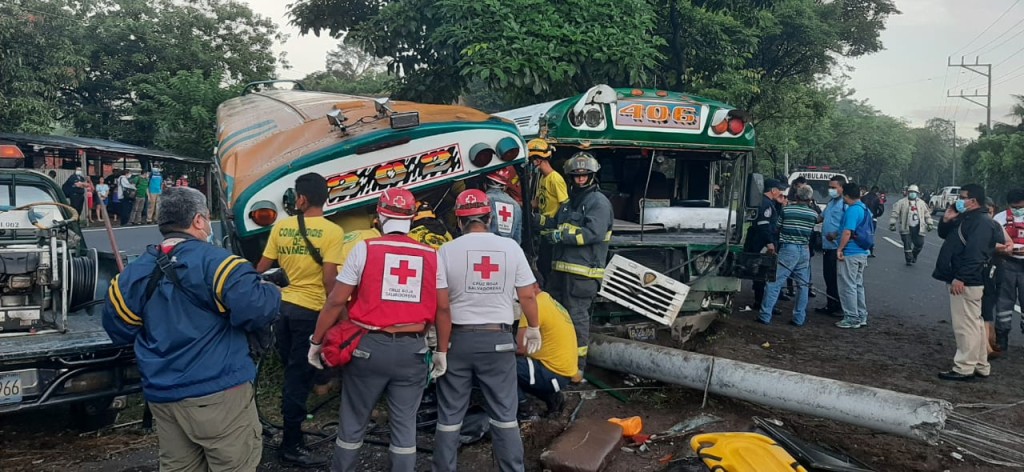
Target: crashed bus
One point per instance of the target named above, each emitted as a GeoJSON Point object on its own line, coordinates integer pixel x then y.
{"type": "Point", "coordinates": [676, 168]}
{"type": "Point", "coordinates": [361, 145]}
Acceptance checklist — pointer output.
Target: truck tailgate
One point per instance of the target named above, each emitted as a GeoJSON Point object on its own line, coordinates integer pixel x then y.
{"type": "Point", "coordinates": [85, 334]}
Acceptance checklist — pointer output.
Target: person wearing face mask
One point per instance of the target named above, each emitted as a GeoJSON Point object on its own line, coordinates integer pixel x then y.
{"type": "Point", "coordinates": [1011, 280]}
{"type": "Point", "coordinates": [831, 232]}
{"type": "Point", "coordinates": [969, 239]}
{"type": "Point", "coordinates": [188, 308]}
{"type": "Point", "coordinates": [74, 187]}
{"type": "Point", "coordinates": [912, 218]}
{"type": "Point", "coordinates": [308, 247]}
{"type": "Point", "coordinates": [763, 234]}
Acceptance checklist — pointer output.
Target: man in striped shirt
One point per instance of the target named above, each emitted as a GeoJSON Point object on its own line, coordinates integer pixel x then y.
{"type": "Point", "coordinates": [798, 221]}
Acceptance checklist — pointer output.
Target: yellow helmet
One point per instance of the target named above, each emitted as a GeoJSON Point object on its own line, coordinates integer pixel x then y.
{"type": "Point", "coordinates": [539, 148]}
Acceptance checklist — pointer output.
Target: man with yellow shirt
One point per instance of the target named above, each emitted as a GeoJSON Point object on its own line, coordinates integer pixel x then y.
{"type": "Point", "coordinates": [309, 248]}
{"type": "Point", "coordinates": [546, 372]}
{"type": "Point", "coordinates": [551, 194]}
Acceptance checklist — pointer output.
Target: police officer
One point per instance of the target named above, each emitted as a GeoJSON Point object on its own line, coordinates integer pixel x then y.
{"type": "Point", "coordinates": [187, 306]}
{"type": "Point", "coordinates": [392, 281]}
{"type": "Point", "coordinates": [763, 234]}
{"type": "Point", "coordinates": [308, 247]}
{"type": "Point", "coordinates": [484, 274]}
{"type": "Point", "coordinates": [583, 228]}
{"type": "Point", "coordinates": [506, 213]}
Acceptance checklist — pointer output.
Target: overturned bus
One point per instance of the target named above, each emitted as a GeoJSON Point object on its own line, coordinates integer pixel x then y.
{"type": "Point", "coordinates": [361, 145]}
{"type": "Point", "coordinates": [676, 168]}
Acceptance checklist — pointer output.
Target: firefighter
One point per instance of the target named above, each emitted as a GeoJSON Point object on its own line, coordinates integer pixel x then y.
{"type": "Point", "coordinates": [580, 236]}
{"type": "Point", "coordinates": [550, 194]}
{"type": "Point", "coordinates": [427, 228]}
{"type": "Point", "coordinates": [393, 282]}
{"type": "Point", "coordinates": [484, 275]}
{"type": "Point", "coordinates": [506, 214]}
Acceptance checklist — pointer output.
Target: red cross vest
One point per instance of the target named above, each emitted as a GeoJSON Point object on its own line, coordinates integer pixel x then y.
{"type": "Point", "coordinates": [398, 284]}
{"type": "Point", "coordinates": [1014, 228]}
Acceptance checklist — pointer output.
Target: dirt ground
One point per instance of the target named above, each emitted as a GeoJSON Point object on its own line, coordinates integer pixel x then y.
{"type": "Point", "coordinates": [891, 354]}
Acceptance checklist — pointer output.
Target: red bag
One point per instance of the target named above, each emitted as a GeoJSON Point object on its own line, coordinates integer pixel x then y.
{"type": "Point", "coordinates": [339, 343]}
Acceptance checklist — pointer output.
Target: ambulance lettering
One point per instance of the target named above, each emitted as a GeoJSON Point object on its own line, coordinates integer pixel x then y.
{"type": "Point", "coordinates": [505, 217]}
{"type": "Point", "coordinates": [485, 272]}
{"type": "Point", "coordinates": [403, 278]}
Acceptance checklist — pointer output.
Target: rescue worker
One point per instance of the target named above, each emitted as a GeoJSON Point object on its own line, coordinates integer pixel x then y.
{"type": "Point", "coordinates": [1011, 282]}
{"type": "Point", "coordinates": [308, 247]}
{"type": "Point", "coordinates": [912, 218]}
{"type": "Point", "coordinates": [427, 228]}
{"type": "Point", "coordinates": [583, 228]}
{"type": "Point", "coordinates": [506, 213]}
{"type": "Point", "coordinates": [551, 193]}
{"type": "Point", "coordinates": [545, 373]}
{"type": "Point", "coordinates": [763, 234]}
{"type": "Point", "coordinates": [484, 275]}
{"type": "Point", "coordinates": [187, 306]}
{"type": "Point", "coordinates": [393, 284]}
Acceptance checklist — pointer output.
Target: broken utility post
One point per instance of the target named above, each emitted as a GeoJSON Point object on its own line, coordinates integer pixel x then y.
{"type": "Point", "coordinates": [874, 408]}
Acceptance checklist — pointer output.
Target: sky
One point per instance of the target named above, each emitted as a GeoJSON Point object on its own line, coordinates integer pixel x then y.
{"type": "Point", "coordinates": [909, 79]}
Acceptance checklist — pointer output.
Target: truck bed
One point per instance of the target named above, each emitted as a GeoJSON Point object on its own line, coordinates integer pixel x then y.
{"type": "Point", "coordinates": [85, 334]}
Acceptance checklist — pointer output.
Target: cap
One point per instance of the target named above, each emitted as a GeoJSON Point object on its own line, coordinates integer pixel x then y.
{"type": "Point", "coordinates": [772, 183]}
{"type": "Point", "coordinates": [913, 188]}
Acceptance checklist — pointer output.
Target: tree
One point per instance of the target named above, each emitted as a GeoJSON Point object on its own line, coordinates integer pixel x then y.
{"type": "Point", "coordinates": [38, 61]}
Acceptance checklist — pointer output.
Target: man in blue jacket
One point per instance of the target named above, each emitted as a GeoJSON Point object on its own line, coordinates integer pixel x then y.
{"type": "Point", "coordinates": [188, 306]}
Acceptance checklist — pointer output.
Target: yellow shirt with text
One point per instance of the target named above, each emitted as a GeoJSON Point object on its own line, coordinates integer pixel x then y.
{"type": "Point", "coordinates": [551, 193]}
{"type": "Point", "coordinates": [558, 351]}
{"type": "Point", "coordinates": [306, 277]}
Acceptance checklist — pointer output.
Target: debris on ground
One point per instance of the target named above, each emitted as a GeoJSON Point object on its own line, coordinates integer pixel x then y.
{"type": "Point", "coordinates": [586, 446]}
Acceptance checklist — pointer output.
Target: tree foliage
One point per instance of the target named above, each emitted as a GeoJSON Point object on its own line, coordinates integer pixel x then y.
{"type": "Point", "coordinates": [146, 72]}
{"type": "Point", "coordinates": [994, 160]}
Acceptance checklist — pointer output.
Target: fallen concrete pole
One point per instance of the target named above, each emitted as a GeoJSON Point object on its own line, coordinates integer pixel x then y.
{"type": "Point", "coordinates": [874, 408]}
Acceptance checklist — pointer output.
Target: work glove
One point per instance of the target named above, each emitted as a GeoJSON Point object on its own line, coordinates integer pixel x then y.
{"type": "Point", "coordinates": [532, 339]}
{"type": "Point", "coordinates": [440, 365]}
{"type": "Point", "coordinates": [313, 356]}
{"type": "Point", "coordinates": [431, 337]}
{"type": "Point", "coordinates": [892, 227]}
{"type": "Point", "coordinates": [554, 237]}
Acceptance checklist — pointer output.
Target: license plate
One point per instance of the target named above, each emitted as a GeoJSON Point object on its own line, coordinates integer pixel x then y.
{"type": "Point", "coordinates": [10, 389]}
{"type": "Point", "coordinates": [641, 332]}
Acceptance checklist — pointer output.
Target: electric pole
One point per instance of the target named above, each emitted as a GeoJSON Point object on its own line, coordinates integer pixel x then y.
{"type": "Point", "coordinates": [954, 154]}
{"type": "Point", "coordinates": [977, 69]}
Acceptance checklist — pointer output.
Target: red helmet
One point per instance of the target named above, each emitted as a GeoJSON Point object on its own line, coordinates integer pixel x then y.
{"type": "Point", "coordinates": [397, 203]}
{"type": "Point", "coordinates": [505, 176]}
{"type": "Point", "coordinates": [472, 202]}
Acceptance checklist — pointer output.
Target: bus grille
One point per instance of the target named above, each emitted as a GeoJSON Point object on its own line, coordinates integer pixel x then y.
{"type": "Point", "coordinates": [643, 290]}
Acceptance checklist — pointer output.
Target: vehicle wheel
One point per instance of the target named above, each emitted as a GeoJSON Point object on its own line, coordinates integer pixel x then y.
{"type": "Point", "coordinates": [92, 415]}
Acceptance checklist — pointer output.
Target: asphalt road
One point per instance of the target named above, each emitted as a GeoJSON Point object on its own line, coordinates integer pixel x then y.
{"type": "Point", "coordinates": [131, 240]}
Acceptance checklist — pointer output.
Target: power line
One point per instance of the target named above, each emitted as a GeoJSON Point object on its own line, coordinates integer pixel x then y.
{"type": "Point", "coordinates": [1010, 78]}
{"type": "Point", "coordinates": [1011, 56]}
{"type": "Point", "coordinates": [1007, 39]}
{"type": "Point", "coordinates": [1000, 35]}
{"type": "Point", "coordinates": [986, 28]}
{"type": "Point", "coordinates": [984, 70]}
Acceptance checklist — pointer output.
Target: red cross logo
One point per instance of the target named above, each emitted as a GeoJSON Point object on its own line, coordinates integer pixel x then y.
{"type": "Point", "coordinates": [403, 272]}
{"type": "Point", "coordinates": [504, 213]}
{"type": "Point", "coordinates": [485, 268]}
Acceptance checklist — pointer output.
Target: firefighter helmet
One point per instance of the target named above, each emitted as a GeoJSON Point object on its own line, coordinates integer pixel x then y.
{"type": "Point", "coordinates": [472, 202]}
{"type": "Point", "coordinates": [581, 163]}
{"type": "Point", "coordinates": [505, 176]}
{"type": "Point", "coordinates": [539, 148]}
{"type": "Point", "coordinates": [397, 203]}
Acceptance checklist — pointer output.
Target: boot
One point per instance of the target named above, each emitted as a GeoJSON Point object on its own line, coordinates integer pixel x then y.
{"type": "Point", "coordinates": [1003, 340]}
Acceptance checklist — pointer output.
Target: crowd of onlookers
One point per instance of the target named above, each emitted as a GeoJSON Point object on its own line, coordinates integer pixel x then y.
{"type": "Point", "coordinates": [128, 198]}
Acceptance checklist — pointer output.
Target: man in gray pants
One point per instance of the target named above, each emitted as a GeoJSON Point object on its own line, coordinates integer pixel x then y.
{"type": "Point", "coordinates": [484, 274]}
{"type": "Point", "coordinates": [1011, 284]}
{"type": "Point", "coordinates": [393, 284]}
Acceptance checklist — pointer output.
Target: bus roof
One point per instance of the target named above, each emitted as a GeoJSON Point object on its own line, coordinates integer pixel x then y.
{"type": "Point", "coordinates": [635, 118]}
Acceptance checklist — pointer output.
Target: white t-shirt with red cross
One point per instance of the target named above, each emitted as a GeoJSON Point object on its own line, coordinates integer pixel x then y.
{"type": "Point", "coordinates": [352, 272]}
{"type": "Point", "coordinates": [483, 271]}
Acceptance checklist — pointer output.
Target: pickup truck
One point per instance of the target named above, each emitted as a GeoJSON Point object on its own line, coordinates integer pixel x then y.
{"type": "Point", "coordinates": [942, 199]}
{"type": "Point", "coordinates": [53, 349]}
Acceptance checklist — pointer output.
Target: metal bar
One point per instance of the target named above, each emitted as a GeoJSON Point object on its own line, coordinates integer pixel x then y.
{"type": "Point", "coordinates": [874, 408]}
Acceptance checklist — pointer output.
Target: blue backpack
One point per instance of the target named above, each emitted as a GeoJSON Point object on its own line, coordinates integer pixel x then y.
{"type": "Point", "coordinates": [864, 235]}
